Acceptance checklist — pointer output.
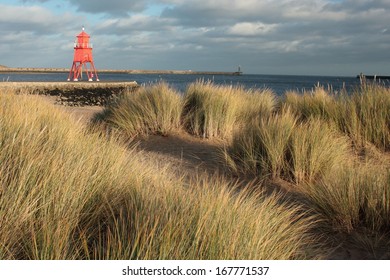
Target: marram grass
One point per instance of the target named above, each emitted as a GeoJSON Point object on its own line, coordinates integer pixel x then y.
{"type": "Point", "coordinates": [279, 146]}
{"type": "Point", "coordinates": [203, 222]}
{"type": "Point", "coordinates": [207, 110]}
{"type": "Point", "coordinates": [354, 197]}
{"type": "Point", "coordinates": [316, 103]}
{"type": "Point", "coordinates": [216, 111]}
{"type": "Point", "coordinates": [211, 110]}
{"type": "Point", "coordinates": [316, 149]}
{"type": "Point", "coordinates": [306, 139]}
{"type": "Point", "coordinates": [363, 115]}
{"type": "Point", "coordinates": [154, 109]}
{"type": "Point", "coordinates": [66, 193]}
{"type": "Point", "coordinates": [50, 173]}
{"type": "Point", "coordinates": [260, 148]}
{"type": "Point", "coordinates": [366, 116]}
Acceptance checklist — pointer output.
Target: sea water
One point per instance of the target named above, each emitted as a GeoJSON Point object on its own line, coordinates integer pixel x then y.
{"type": "Point", "coordinates": [278, 83]}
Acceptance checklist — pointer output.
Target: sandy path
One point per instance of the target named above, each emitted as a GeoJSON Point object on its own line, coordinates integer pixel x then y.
{"type": "Point", "coordinates": [185, 155]}
{"type": "Point", "coordinates": [83, 114]}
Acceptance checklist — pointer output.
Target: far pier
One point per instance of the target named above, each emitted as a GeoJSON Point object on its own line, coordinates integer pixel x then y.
{"type": "Point", "coordinates": [372, 77]}
{"type": "Point", "coordinates": [129, 71]}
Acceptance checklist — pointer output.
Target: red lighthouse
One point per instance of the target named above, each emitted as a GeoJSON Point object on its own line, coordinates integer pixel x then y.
{"type": "Point", "coordinates": [82, 56]}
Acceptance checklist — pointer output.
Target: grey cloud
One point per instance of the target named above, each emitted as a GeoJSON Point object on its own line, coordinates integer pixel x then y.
{"type": "Point", "coordinates": [114, 7]}
{"type": "Point", "coordinates": [261, 35]}
{"type": "Point", "coordinates": [300, 32]}
{"type": "Point", "coordinates": [34, 19]}
{"type": "Point", "coordinates": [30, 36]}
{"type": "Point", "coordinates": [360, 5]}
{"type": "Point", "coordinates": [134, 23]}
{"type": "Point", "coordinates": [111, 7]}
{"type": "Point", "coordinates": [39, 1]}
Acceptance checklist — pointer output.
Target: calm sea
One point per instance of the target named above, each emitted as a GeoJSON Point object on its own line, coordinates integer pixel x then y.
{"type": "Point", "coordinates": [278, 83]}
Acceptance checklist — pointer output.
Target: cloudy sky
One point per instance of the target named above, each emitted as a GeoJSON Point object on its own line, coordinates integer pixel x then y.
{"type": "Point", "coordinates": [317, 37]}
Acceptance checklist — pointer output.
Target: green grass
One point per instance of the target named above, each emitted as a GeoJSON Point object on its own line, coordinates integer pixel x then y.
{"type": "Point", "coordinates": [281, 147]}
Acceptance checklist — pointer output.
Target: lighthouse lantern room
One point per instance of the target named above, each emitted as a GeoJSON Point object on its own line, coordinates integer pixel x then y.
{"type": "Point", "coordinates": [82, 57]}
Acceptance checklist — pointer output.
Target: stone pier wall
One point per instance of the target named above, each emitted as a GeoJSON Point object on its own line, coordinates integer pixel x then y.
{"type": "Point", "coordinates": [73, 93]}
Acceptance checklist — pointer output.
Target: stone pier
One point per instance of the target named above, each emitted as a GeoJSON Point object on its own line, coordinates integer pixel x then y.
{"type": "Point", "coordinates": [72, 93]}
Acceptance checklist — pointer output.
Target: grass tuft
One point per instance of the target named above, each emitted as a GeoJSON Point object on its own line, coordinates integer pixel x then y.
{"type": "Point", "coordinates": [316, 149]}
{"type": "Point", "coordinates": [155, 109]}
{"type": "Point", "coordinates": [364, 115]}
{"type": "Point", "coordinates": [218, 110]}
{"type": "Point", "coordinates": [316, 103]}
{"type": "Point", "coordinates": [260, 148]}
{"type": "Point", "coordinates": [352, 198]}
{"type": "Point", "coordinates": [211, 110]}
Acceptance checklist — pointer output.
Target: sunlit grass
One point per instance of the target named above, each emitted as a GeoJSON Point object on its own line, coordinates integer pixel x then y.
{"type": "Point", "coordinates": [211, 110]}
{"type": "Point", "coordinates": [154, 109]}
{"type": "Point", "coordinates": [363, 116]}
{"type": "Point", "coordinates": [71, 192]}
{"type": "Point", "coordinates": [366, 116]}
{"type": "Point", "coordinates": [50, 172]}
{"type": "Point", "coordinates": [207, 221]}
{"type": "Point", "coordinates": [216, 111]}
{"type": "Point", "coordinates": [316, 103]}
{"type": "Point", "coordinates": [67, 193]}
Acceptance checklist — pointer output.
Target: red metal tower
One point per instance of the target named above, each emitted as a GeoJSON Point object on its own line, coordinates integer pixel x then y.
{"type": "Point", "coordinates": [82, 56]}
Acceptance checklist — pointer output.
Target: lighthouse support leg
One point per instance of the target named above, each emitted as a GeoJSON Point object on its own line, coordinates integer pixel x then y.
{"type": "Point", "coordinates": [89, 72]}
{"type": "Point", "coordinates": [93, 69]}
{"type": "Point", "coordinates": [72, 72]}
{"type": "Point", "coordinates": [77, 73]}
{"type": "Point", "coordinates": [77, 69]}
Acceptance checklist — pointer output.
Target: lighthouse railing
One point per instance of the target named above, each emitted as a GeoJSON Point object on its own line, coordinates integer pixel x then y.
{"type": "Point", "coordinates": [83, 45]}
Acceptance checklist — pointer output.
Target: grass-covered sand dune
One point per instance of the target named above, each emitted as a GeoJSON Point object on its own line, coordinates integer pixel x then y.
{"type": "Point", "coordinates": [304, 176]}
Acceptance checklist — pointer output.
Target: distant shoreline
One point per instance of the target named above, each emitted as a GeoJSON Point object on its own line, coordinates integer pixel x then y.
{"type": "Point", "coordinates": [66, 70]}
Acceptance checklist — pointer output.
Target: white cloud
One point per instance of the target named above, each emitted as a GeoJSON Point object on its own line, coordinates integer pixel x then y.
{"type": "Point", "coordinates": [35, 19]}
{"type": "Point", "coordinates": [251, 28]}
{"type": "Point", "coordinates": [136, 22]}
